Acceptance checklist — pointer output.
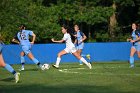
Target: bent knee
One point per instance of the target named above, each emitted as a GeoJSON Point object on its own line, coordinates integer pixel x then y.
{"type": "Point", "coordinates": [2, 65]}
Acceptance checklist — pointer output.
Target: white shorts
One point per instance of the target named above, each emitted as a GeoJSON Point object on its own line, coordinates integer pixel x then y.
{"type": "Point", "coordinates": [70, 50]}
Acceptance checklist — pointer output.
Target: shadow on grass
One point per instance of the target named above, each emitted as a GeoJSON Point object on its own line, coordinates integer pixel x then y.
{"type": "Point", "coordinates": [9, 79]}
{"type": "Point", "coordinates": [58, 89]}
{"type": "Point", "coordinates": [32, 69]}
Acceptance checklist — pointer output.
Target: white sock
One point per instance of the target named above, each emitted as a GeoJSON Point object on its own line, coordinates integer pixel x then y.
{"type": "Point", "coordinates": [58, 61]}
{"type": "Point", "coordinates": [84, 61]}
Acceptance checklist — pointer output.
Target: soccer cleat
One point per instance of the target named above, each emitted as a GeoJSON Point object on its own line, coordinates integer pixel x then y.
{"type": "Point", "coordinates": [22, 68]}
{"type": "Point", "coordinates": [55, 66]}
{"type": "Point", "coordinates": [17, 75]}
{"type": "Point", "coordinates": [131, 66]}
{"type": "Point", "coordinates": [88, 56]}
{"type": "Point", "coordinates": [42, 68]}
{"type": "Point", "coordinates": [81, 64]}
{"type": "Point", "coordinates": [89, 65]}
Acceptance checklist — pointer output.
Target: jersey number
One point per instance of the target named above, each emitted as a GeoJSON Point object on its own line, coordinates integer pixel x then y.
{"type": "Point", "coordinates": [23, 36]}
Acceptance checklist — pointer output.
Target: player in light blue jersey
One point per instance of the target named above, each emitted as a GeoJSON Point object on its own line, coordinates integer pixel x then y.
{"type": "Point", "coordinates": [135, 44]}
{"type": "Point", "coordinates": [7, 66]}
{"type": "Point", "coordinates": [23, 40]}
{"type": "Point", "coordinates": [80, 37]}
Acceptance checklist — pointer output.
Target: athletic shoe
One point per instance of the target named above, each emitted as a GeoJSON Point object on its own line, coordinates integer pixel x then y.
{"type": "Point", "coordinates": [89, 65]}
{"type": "Point", "coordinates": [55, 66]}
{"type": "Point", "coordinates": [17, 77]}
{"type": "Point", "coordinates": [22, 68]}
{"type": "Point", "coordinates": [132, 66]}
{"type": "Point", "coordinates": [81, 64]}
{"type": "Point", "coordinates": [88, 56]}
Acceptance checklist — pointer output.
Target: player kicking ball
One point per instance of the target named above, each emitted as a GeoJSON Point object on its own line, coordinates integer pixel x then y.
{"type": "Point", "coordinates": [70, 48]}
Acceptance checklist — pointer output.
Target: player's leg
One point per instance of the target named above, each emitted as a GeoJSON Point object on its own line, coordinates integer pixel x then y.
{"type": "Point", "coordinates": [30, 55]}
{"type": "Point", "coordinates": [63, 52]}
{"type": "Point", "coordinates": [82, 59]}
{"type": "Point", "coordinates": [27, 51]}
{"type": "Point", "coordinates": [22, 54]}
{"type": "Point", "coordinates": [79, 51]}
{"type": "Point", "coordinates": [9, 68]}
{"type": "Point", "coordinates": [138, 50]}
{"type": "Point", "coordinates": [131, 60]}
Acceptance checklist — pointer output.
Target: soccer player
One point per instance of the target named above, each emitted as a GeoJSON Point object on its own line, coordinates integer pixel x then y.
{"type": "Point", "coordinates": [135, 44]}
{"type": "Point", "coordinates": [79, 42]}
{"type": "Point", "coordinates": [70, 48]}
{"type": "Point", "coordinates": [23, 40]}
{"type": "Point", "coordinates": [7, 66]}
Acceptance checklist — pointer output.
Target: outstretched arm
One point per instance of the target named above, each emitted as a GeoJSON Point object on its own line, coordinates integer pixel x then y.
{"type": "Point", "coordinates": [15, 41]}
{"type": "Point", "coordinates": [57, 41]}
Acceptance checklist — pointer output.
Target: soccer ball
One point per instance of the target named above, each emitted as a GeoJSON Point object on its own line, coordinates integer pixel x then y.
{"type": "Point", "coordinates": [45, 66]}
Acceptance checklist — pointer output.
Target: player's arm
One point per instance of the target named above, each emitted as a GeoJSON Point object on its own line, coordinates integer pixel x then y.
{"type": "Point", "coordinates": [15, 41]}
{"type": "Point", "coordinates": [84, 38]}
{"type": "Point", "coordinates": [33, 38]}
{"type": "Point", "coordinates": [138, 39]}
{"type": "Point", "coordinates": [57, 41]}
{"type": "Point", "coordinates": [75, 41]}
{"type": "Point", "coordinates": [129, 39]}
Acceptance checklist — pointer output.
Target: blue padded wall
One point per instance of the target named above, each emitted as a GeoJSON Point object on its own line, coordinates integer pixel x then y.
{"type": "Point", "coordinates": [100, 52]}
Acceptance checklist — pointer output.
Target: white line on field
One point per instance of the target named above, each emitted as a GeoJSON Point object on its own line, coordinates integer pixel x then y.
{"type": "Point", "coordinates": [76, 72]}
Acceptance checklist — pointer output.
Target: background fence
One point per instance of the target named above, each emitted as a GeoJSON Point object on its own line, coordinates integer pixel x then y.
{"type": "Point", "coordinates": [100, 52]}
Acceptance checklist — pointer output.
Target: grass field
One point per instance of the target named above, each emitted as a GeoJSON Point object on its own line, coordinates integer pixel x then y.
{"type": "Point", "coordinates": [115, 77]}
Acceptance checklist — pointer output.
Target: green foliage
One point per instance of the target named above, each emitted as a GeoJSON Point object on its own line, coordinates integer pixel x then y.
{"type": "Point", "coordinates": [45, 18]}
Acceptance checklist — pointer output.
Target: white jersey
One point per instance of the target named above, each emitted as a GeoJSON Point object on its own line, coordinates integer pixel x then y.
{"type": "Point", "coordinates": [68, 41]}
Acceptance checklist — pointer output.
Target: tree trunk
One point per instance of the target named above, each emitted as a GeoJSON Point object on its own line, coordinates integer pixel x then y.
{"type": "Point", "coordinates": [113, 23]}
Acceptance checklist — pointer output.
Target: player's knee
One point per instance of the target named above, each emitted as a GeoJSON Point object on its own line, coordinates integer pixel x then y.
{"type": "Point", "coordinates": [2, 65]}
{"type": "Point", "coordinates": [59, 55]}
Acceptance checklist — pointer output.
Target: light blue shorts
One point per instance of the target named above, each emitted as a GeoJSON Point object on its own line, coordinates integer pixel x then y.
{"type": "Point", "coordinates": [80, 46]}
{"type": "Point", "coordinates": [137, 47]}
{"type": "Point", "coordinates": [26, 49]}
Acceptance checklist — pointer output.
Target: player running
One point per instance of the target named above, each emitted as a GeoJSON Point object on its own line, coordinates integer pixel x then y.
{"type": "Point", "coordinates": [7, 66]}
{"type": "Point", "coordinates": [80, 37]}
{"type": "Point", "coordinates": [70, 48]}
{"type": "Point", "coordinates": [23, 40]}
{"type": "Point", "coordinates": [135, 44]}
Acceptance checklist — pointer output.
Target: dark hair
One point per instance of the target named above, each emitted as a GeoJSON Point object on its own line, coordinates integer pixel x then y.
{"type": "Point", "coordinates": [22, 26]}
{"type": "Point", "coordinates": [67, 27]}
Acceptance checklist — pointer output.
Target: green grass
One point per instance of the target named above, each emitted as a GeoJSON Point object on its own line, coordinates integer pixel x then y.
{"type": "Point", "coordinates": [112, 77]}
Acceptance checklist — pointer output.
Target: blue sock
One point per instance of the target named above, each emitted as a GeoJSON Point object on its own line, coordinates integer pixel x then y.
{"type": "Point", "coordinates": [10, 69]}
{"type": "Point", "coordinates": [131, 60]}
{"type": "Point", "coordinates": [22, 60]}
{"type": "Point", "coordinates": [36, 62]}
{"type": "Point", "coordinates": [80, 62]}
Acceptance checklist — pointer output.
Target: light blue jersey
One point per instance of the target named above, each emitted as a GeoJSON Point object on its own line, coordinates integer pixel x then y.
{"type": "Point", "coordinates": [23, 37]}
{"type": "Point", "coordinates": [136, 45]}
{"type": "Point", "coordinates": [79, 44]}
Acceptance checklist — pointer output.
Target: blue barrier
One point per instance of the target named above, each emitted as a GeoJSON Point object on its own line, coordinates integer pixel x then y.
{"type": "Point", "coordinates": [100, 52]}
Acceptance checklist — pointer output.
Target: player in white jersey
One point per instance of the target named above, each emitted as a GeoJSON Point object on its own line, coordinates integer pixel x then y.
{"type": "Point", "coordinates": [70, 48]}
